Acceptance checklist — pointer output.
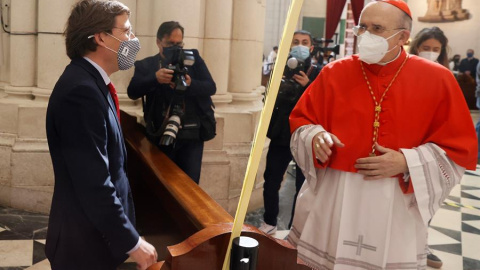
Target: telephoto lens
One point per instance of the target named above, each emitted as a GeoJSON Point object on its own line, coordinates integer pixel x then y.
{"type": "Point", "coordinates": [171, 130]}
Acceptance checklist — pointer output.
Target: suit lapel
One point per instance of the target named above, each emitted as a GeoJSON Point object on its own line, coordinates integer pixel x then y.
{"type": "Point", "coordinates": [105, 92]}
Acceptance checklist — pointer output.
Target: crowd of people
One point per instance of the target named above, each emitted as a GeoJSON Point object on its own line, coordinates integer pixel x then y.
{"type": "Point", "coordinates": [370, 173]}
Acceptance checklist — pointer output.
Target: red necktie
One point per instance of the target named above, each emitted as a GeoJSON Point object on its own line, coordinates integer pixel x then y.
{"type": "Point", "coordinates": [113, 92]}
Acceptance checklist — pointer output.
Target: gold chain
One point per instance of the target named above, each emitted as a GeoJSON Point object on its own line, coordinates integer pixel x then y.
{"type": "Point", "coordinates": [378, 105]}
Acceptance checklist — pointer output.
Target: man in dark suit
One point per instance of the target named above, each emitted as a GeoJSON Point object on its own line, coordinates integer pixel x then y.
{"type": "Point", "coordinates": [469, 64]}
{"type": "Point", "coordinates": [192, 102]}
{"type": "Point", "coordinates": [92, 220]}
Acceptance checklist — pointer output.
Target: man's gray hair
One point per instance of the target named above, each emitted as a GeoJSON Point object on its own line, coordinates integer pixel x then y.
{"type": "Point", "coordinates": [406, 21]}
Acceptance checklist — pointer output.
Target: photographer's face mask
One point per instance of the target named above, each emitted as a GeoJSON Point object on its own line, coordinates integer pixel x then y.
{"type": "Point", "coordinates": [300, 52]}
{"type": "Point", "coordinates": [372, 48]}
{"type": "Point", "coordinates": [127, 52]}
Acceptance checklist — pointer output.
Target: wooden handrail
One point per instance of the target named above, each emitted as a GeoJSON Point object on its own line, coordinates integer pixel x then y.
{"type": "Point", "coordinates": [201, 209]}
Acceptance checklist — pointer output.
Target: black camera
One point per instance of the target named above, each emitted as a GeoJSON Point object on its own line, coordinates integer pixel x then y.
{"type": "Point", "coordinates": [180, 60]}
{"type": "Point", "coordinates": [290, 90]}
{"type": "Point", "coordinates": [323, 53]}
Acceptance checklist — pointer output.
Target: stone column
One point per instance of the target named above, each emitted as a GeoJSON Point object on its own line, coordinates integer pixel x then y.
{"type": "Point", "coordinates": [276, 12]}
{"type": "Point", "coordinates": [52, 57]}
{"type": "Point", "coordinates": [246, 52]}
{"type": "Point", "coordinates": [21, 19]}
{"type": "Point", "coordinates": [217, 46]}
{"type": "Point", "coordinates": [244, 78]}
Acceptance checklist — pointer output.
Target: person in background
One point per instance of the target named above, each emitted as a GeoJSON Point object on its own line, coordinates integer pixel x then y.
{"type": "Point", "coordinates": [469, 65]}
{"type": "Point", "coordinates": [191, 103]}
{"type": "Point", "coordinates": [269, 62]}
{"type": "Point", "coordinates": [279, 155]}
{"type": "Point", "coordinates": [272, 56]}
{"type": "Point", "coordinates": [92, 218]}
{"type": "Point", "coordinates": [454, 63]}
{"type": "Point", "coordinates": [431, 44]}
{"type": "Point", "coordinates": [382, 138]}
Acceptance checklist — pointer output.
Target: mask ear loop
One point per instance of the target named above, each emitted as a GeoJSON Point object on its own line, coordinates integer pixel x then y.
{"type": "Point", "coordinates": [390, 38]}
{"type": "Point", "coordinates": [91, 36]}
{"type": "Point", "coordinates": [395, 34]}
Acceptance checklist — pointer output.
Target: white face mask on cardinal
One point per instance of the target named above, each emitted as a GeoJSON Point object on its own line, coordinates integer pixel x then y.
{"type": "Point", "coordinates": [372, 48]}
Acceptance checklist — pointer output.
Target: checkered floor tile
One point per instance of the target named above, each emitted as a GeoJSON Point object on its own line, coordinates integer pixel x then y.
{"type": "Point", "coordinates": [454, 233]}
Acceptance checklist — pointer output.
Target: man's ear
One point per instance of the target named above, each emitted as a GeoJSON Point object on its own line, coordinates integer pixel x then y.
{"type": "Point", "coordinates": [99, 39]}
{"type": "Point", "coordinates": [311, 48]}
{"type": "Point", "coordinates": [404, 36]}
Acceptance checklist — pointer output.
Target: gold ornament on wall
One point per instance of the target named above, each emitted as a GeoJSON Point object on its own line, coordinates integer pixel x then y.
{"type": "Point", "coordinates": [445, 11]}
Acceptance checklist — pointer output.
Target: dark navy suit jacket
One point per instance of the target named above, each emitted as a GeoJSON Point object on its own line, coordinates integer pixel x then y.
{"type": "Point", "coordinates": [91, 223]}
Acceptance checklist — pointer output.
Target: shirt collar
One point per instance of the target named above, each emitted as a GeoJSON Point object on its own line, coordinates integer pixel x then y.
{"type": "Point", "coordinates": [100, 70]}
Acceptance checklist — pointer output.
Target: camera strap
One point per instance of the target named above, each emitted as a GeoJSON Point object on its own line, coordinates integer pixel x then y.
{"type": "Point", "coordinates": [310, 69]}
{"type": "Point", "coordinates": [167, 114]}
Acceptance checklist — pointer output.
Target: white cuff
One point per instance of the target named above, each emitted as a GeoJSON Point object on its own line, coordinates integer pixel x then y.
{"type": "Point", "coordinates": [136, 246]}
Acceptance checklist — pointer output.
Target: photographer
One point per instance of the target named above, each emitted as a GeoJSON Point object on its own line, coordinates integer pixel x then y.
{"type": "Point", "coordinates": [298, 75]}
{"type": "Point", "coordinates": [178, 108]}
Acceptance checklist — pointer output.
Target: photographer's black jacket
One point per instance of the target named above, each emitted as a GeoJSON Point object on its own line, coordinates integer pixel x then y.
{"type": "Point", "coordinates": [198, 99]}
{"type": "Point", "coordinates": [279, 128]}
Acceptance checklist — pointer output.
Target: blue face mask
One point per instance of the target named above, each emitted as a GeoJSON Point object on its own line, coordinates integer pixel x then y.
{"type": "Point", "coordinates": [469, 55]}
{"type": "Point", "coordinates": [300, 52]}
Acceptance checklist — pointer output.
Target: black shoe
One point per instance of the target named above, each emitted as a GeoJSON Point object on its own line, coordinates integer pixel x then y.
{"type": "Point", "coordinates": [433, 260]}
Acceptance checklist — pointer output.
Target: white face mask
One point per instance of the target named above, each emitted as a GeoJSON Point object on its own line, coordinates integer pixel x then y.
{"type": "Point", "coordinates": [372, 48]}
{"type": "Point", "coordinates": [432, 56]}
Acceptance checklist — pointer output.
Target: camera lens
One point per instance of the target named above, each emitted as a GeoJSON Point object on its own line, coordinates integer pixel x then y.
{"type": "Point", "coordinates": [171, 130]}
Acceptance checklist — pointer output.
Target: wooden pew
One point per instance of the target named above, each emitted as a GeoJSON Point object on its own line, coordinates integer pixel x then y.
{"type": "Point", "coordinates": [468, 86]}
{"type": "Point", "coordinates": [186, 226]}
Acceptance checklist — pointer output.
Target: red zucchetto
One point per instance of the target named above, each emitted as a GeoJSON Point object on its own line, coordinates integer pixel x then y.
{"type": "Point", "coordinates": [399, 4]}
